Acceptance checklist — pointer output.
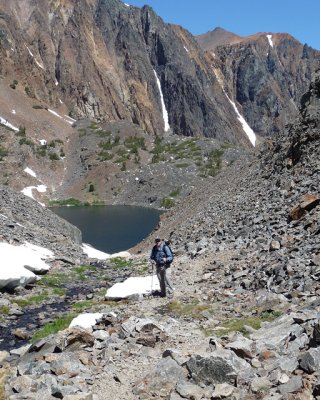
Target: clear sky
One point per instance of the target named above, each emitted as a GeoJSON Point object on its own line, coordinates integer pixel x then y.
{"type": "Point", "coordinates": [300, 18]}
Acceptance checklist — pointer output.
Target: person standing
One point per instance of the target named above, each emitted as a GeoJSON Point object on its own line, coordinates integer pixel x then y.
{"type": "Point", "coordinates": [162, 257]}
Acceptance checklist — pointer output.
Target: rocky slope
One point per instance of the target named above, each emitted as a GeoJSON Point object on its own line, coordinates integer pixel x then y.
{"type": "Point", "coordinates": [247, 251]}
{"type": "Point", "coordinates": [266, 74]}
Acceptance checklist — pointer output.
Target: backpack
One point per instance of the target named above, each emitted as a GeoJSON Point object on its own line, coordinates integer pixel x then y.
{"type": "Point", "coordinates": [167, 244]}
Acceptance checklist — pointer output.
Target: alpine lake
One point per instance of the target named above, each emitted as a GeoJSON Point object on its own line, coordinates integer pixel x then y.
{"type": "Point", "coordinates": [111, 228]}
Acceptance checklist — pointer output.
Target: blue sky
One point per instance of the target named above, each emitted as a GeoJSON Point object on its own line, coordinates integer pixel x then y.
{"type": "Point", "coordinates": [243, 17]}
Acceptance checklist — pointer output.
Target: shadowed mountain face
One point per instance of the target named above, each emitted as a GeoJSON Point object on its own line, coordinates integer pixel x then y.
{"type": "Point", "coordinates": [264, 73]}
{"type": "Point", "coordinates": [102, 59]}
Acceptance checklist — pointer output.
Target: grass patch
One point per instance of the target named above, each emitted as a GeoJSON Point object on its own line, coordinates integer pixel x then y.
{"type": "Point", "coordinates": [238, 324]}
{"type": "Point", "coordinates": [59, 291]}
{"type": "Point", "coordinates": [80, 269]}
{"type": "Point", "coordinates": [54, 280]}
{"type": "Point", "coordinates": [83, 305]}
{"type": "Point", "coordinates": [120, 262]}
{"type": "Point", "coordinates": [4, 310]}
{"type": "Point", "coordinates": [192, 309]}
{"type": "Point", "coordinates": [174, 193]}
{"type": "Point", "coordinates": [52, 328]}
{"type": "Point", "coordinates": [39, 298]}
{"type": "Point", "coordinates": [66, 202]}
{"type": "Point", "coordinates": [167, 203]}
{"type": "Point", "coordinates": [182, 165]}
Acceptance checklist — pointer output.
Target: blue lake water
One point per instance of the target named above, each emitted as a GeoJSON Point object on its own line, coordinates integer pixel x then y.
{"type": "Point", "coordinates": [111, 228]}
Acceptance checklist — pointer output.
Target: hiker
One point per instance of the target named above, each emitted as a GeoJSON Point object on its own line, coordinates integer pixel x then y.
{"type": "Point", "coordinates": [162, 257]}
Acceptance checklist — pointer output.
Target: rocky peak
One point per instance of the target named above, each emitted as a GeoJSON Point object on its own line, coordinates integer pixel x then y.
{"type": "Point", "coordinates": [217, 37]}
{"type": "Point", "coordinates": [266, 74]}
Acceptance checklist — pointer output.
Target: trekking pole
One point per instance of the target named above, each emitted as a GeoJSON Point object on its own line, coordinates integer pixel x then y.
{"type": "Point", "coordinates": [151, 277]}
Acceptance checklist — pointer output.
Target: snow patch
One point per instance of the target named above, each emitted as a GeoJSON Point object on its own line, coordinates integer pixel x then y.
{"type": "Point", "coordinates": [31, 54]}
{"type": "Point", "coordinates": [163, 106]}
{"type": "Point", "coordinates": [91, 252]}
{"type": "Point", "coordinates": [13, 111]}
{"type": "Point", "coordinates": [133, 285]}
{"type": "Point", "coordinates": [30, 172]}
{"type": "Point", "coordinates": [4, 122]}
{"type": "Point", "coordinates": [18, 264]}
{"type": "Point", "coordinates": [269, 37]}
{"type": "Point", "coordinates": [249, 132]}
{"type": "Point", "coordinates": [28, 191]}
{"type": "Point", "coordinates": [69, 120]}
{"type": "Point", "coordinates": [85, 321]}
{"type": "Point", "coordinates": [186, 49]}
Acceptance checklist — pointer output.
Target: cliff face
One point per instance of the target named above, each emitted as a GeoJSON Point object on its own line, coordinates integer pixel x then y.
{"type": "Point", "coordinates": [265, 74]}
{"type": "Point", "coordinates": [105, 61]}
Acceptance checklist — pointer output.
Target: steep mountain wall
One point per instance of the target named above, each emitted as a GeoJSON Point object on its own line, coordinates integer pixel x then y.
{"type": "Point", "coordinates": [266, 74]}
{"type": "Point", "coordinates": [103, 60]}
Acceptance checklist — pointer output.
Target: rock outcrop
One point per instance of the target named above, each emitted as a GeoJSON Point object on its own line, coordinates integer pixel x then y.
{"type": "Point", "coordinates": [266, 74]}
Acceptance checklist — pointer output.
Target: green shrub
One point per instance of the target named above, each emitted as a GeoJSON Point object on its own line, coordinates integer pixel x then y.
{"type": "Point", "coordinates": [174, 193]}
{"type": "Point", "coordinates": [14, 84]}
{"type": "Point", "coordinates": [66, 202]}
{"type": "Point", "coordinates": [26, 141]}
{"type": "Point", "coordinates": [39, 107]}
{"type": "Point", "coordinates": [105, 156]}
{"type": "Point", "coordinates": [41, 151]}
{"type": "Point", "coordinates": [158, 150]}
{"type": "Point", "coordinates": [103, 133]}
{"type": "Point", "coordinates": [167, 202]}
{"type": "Point", "coordinates": [3, 153]}
{"type": "Point", "coordinates": [213, 164]}
{"type": "Point", "coordinates": [54, 156]}
{"type": "Point", "coordinates": [82, 132]}
{"type": "Point", "coordinates": [134, 143]}
{"type": "Point", "coordinates": [182, 165]}
{"type": "Point", "coordinates": [28, 91]}
{"type": "Point", "coordinates": [21, 131]}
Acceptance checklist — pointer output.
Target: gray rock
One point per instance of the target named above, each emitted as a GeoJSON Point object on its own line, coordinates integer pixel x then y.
{"type": "Point", "coordinates": [294, 385]}
{"type": "Point", "coordinates": [162, 379]}
{"type": "Point", "coordinates": [221, 366]}
{"type": "Point", "coordinates": [222, 390]}
{"type": "Point", "coordinates": [188, 390]}
{"type": "Point", "coordinates": [310, 360]}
